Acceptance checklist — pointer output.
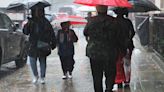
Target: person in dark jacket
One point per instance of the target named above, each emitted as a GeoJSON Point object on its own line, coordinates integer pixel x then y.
{"type": "Point", "coordinates": [42, 40]}
{"type": "Point", "coordinates": [101, 35]}
{"type": "Point", "coordinates": [126, 45]}
{"type": "Point", "coordinates": [65, 42]}
{"type": "Point", "coordinates": [89, 15]}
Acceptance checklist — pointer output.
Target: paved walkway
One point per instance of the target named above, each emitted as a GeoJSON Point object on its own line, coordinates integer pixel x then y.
{"type": "Point", "coordinates": [20, 80]}
{"type": "Point", "coordinates": [147, 70]}
{"type": "Point", "coordinates": [147, 74]}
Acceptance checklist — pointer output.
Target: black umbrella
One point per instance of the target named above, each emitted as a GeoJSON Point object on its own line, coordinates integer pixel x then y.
{"type": "Point", "coordinates": [16, 6]}
{"type": "Point", "coordinates": [42, 3]}
{"type": "Point", "coordinates": [142, 6]}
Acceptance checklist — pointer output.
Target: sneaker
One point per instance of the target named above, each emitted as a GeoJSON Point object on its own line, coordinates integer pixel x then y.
{"type": "Point", "coordinates": [126, 85]}
{"type": "Point", "coordinates": [42, 81]}
{"type": "Point", "coordinates": [35, 79]}
{"type": "Point", "coordinates": [70, 75]}
{"type": "Point", "coordinates": [64, 77]}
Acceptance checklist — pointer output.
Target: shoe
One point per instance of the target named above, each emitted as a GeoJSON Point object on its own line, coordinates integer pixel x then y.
{"type": "Point", "coordinates": [120, 85]}
{"type": "Point", "coordinates": [64, 77]}
{"type": "Point", "coordinates": [42, 80]}
{"type": "Point", "coordinates": [126, 85]}
{"type": "Point", "coordinates": [35, 79]}
{"type": "Point", "coordinates": [70, 75]}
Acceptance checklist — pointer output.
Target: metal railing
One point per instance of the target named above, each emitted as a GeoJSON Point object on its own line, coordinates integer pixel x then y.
{"type": "Point", "coordinates": [150, 29]}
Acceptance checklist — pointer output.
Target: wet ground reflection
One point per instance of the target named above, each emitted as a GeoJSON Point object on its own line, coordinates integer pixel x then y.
{"type": "Point", "coordinates": [68, 86]}
{"type": "Point", "coordinates": [20, 80]}
{"type": "Point", "coordinates": [7, 69]}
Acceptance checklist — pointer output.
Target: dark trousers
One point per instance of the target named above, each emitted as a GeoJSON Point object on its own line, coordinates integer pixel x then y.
{"type": "Point", "coordinates": [67, 63]}
{"type": "Point", "coordinates": [106, 67]}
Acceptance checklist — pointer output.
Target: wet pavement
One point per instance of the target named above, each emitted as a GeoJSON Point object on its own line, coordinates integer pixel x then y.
{"type": "Point", "coordinates": [147, 70]}
{"type": "Point", "coordinates": [146, 75]}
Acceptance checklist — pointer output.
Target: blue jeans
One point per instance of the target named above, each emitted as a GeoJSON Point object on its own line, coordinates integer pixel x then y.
{"type": "Point", "coordinates": [33, 63]}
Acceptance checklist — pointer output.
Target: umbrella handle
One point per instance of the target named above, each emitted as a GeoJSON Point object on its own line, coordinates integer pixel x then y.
{"type": "Point", "coordinates": [28, 13]}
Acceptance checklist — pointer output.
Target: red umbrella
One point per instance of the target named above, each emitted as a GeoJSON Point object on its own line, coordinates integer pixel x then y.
{"type": "Point", "coordinates": [115, 3]}
{"type": "Point", "coordinates": [76, 21]}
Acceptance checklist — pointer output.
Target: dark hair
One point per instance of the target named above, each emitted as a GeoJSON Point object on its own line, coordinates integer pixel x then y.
{"type": "Point", "coordinates": [121, 11]}
{"type": "Point", "coordinates": [101, 9]}
{"type": "Point", "coordinates": [89, 13]}
{"type": "Point", "coordinates": [63, 23]}
{"type": "Point", "coordinates": [33, 10]}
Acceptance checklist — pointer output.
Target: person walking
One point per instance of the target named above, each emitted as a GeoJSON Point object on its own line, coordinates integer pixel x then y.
{"type": "Point", "coordinates": [126, 46]}
{"type": "Point", "coordinates": [102, 48]}
{"type": "Point", "coordinates": [41, 41]}
{"type": "Point", "coordinates": [65, 42]}
{"type": "Point", "coordinates": [89, 15]}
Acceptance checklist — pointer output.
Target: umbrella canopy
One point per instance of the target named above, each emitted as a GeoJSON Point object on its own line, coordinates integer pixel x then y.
{"type": "Point", "coordinates": [37, 3]}
{"type": "Point", "coordinates": [142, 6]}
{"type": "Point", "coordinates": [115, 3]}
{"type": "Point", "coordinates": [76, 21]}
{"type": "Point", "coordinates": [16, 6]}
